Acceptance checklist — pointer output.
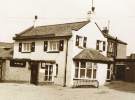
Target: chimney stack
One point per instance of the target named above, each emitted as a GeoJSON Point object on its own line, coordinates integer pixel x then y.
{"type": "Point", "coordinates": [35, 18]}
{"type": "Point", "coordinates": [105, 30]}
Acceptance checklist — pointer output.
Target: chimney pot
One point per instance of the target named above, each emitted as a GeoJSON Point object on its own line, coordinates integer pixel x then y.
{"type": "Point", "coordinates": [36, 17]}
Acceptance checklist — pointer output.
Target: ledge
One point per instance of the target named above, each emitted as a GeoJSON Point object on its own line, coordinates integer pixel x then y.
{"type": "Point", "coordinates": [53, 51]}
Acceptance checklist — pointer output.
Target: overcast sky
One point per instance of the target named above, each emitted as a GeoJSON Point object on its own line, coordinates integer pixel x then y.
{"type": "Point", "coordinates": [17, 15]}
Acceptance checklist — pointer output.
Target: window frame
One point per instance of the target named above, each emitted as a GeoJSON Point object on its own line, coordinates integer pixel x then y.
{"type": "Point", "coordinates": [57, 44]}
{"type": "Point", "coordinates": [79, 68]}
{"type": "Point", "coordinates": [101, 45]}
{"type": "Point", "coordinates": [26, 47]}
{"type": "Point", "coordinates": [110, 47]}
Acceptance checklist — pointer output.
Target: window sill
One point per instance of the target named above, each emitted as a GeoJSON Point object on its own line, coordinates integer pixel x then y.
{"type": "Point", "coordinates": [84, 79]}
{"type": "Point", "coordinates": [25, 52]}
{"type": "Point", "coordinates": [80, 47]}
{"type": "Point", "coordinates": [53, 51]}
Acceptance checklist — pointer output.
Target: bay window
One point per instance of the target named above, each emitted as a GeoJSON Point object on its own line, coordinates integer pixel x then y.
{"type": "Point", "coordinates": [85, 70]}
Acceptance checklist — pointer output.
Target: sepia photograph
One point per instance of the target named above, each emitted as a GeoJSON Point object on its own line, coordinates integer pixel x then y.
{"type": "Point", "coordinates": [67, 50]}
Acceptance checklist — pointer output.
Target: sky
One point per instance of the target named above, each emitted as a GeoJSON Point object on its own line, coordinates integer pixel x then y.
{"type": "Point", "coordinates": [17, 15]}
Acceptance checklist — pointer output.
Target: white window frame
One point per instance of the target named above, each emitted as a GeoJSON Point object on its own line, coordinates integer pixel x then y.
{"type": "Point", "coordinates": [110, 71]}
{"type": "Point", "coordinates": [81, 39]}
{"type": "Point", "coordinates": [93, 67]}
{"type": "Point", "coordinates": [101, 45]}
{"type": "Point", "coordinates": [110, 47]}
{"type": "Point", "coordinates": [48, 64]}
{"type": "Point", "coordinates": [26, 47]}
{"type": "Point", "coordinates": [56, 44]}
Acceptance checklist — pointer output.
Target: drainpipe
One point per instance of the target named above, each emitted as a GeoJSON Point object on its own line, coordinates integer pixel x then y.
{"type": "Point", "coordinates": [115, 56]}
{"type": "Point", "coordinates": [65, 70]}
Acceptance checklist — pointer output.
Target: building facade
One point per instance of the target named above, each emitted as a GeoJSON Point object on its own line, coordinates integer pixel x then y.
{"type": "Point", "coordinates": [59, 54]}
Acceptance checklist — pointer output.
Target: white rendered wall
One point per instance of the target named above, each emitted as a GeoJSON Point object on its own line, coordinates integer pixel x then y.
{"type": "Point", "coordinates": [93, 34]}
{"type": "Point", "coordinates": [102, 73]}
{"type": "Point", "coordinates": [40, 54]}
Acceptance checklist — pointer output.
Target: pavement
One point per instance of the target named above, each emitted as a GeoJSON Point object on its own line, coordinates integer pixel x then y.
{"type": "Point", "coordinates": [116, 90]}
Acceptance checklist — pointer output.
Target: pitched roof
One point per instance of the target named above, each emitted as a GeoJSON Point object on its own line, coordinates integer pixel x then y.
{"type": "Point", "coordinates": [6, 45]}
{"type": "Point", "coordinates": [109, 36]}
{"type": "Point", "coordinates": [114, 38]}
{"type": "Point", "coordinates": [6, 50]}
{"type": "Point", "coordinates": [51, 30]}
{"type": "Point", "coordinates": [91, 55]}
{"type": "Point", "coordinates": [6, 53]}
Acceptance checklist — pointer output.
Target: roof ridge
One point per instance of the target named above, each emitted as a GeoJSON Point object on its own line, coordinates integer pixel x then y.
{"type": "Point", "coordinates": [63, 23]}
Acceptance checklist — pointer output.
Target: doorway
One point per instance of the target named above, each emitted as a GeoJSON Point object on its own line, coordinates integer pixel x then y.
{"type": "Point", "coordinates": [120, 72]}
{"type": "Point", "coordinates": [34, 72]}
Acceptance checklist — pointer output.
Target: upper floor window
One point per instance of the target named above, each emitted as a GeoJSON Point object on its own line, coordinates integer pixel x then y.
{"type": "Point", "coordinates": [110, 47]}
{"type": "Point", "coordinates": [54, 46]}
{"type": "Point", "coordinates": [81, 41]}
{"type": "Point", "coordinates": [27, 47]}
{"type": "Point", "coordinates": [100, 45]}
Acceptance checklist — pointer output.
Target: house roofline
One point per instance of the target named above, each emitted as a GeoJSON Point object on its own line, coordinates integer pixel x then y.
{"type": "Point", "coordinates": [95, 61]}
{"type": "Point", "coordinates": [40, 37]}
{"type": "Point", "coordinates": [24, 31]}
{"type": "Point", "coordinates": [110, 37]}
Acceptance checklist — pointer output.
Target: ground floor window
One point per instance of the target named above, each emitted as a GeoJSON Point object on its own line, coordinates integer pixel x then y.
{"type": "Point", "coordinates": [109, 72]}
{"type": "Point", "coordinates": [50, 71]}
{"type": "Point", "coordinates": [85, 70]}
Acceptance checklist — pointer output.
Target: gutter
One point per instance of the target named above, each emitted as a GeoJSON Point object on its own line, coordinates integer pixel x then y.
{"type": "Point", "coordinates": [65, 70]}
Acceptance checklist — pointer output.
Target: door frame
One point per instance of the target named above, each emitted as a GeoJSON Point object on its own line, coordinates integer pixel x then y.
{"type": "Point", "coordinates": [34, 66]}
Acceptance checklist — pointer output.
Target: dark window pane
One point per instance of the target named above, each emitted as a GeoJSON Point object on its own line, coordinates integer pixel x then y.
{"type": "Point", "coordinates": [89, 72]}
{"type": "Point", "coordinates": [46, 78]}
{"type": "Point", "coordinates": [83, 64]}
{"type": "Point", "coordinates": [46, 72]}
{"type": "Point", "coordinates": [50, 78]}
{"type": "Point", "coordinates": [94, 73]}
{"type": "Point", "coordinates": [77, 64]}
{"type": "Point", "coordinates": [82, 73]}
{"type": "Point", "coordinates": [76, 73]}
{"type": "Point", "coordinates": [108, 74]}
{"type": "Point", "coordinates": [108, 67]}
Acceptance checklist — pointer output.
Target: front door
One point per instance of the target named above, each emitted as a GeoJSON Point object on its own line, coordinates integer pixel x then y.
{"type": "Point", "coordinates": [34, 73]}
{"type": "Point", "coordinates": [49, 73]}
